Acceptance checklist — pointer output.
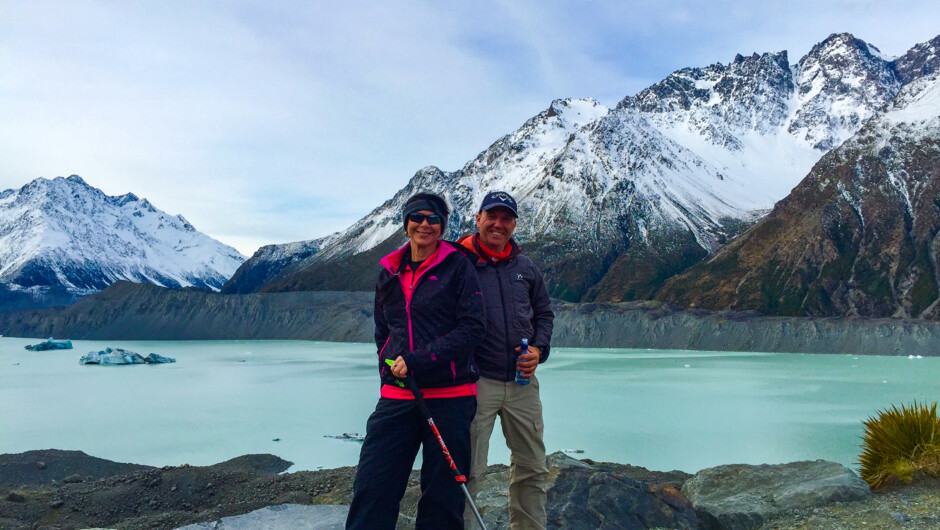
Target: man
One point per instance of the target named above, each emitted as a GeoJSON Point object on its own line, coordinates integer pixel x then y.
{"type": "Point", "coordinates": [517, 307]}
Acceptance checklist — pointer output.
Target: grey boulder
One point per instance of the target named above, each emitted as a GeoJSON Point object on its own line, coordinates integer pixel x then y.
{"type": "Point", "coordinates": [582, 495]}
{"type": "Point", "coordinates": [591, 498]}
{"type": "Point", "coordinates": [741, 497]}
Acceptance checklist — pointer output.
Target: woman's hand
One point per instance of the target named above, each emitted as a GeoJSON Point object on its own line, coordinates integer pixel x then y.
{"type": "Point", "coordinates": [399, 368]}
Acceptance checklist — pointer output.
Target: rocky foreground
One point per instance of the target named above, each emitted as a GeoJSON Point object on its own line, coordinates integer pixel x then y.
{"type": "Point", "coordinates": [54, 489]}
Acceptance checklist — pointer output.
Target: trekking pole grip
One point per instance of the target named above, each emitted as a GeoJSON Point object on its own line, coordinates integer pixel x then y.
{"type": "Point", "coordinates": [413, 386]}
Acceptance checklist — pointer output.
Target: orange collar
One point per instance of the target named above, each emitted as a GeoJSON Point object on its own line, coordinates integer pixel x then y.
{"type": "Point", "coordinates": [473, 243]}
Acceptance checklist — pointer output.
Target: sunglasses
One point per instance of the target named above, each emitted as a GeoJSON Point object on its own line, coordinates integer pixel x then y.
{"type": "Point", "coordinates": [419, 218]}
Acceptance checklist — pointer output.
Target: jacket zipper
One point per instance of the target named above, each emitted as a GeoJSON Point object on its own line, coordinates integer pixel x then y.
{"type": "Point", "coordinates": [411, 342]}
{"type": "Point", "coordinates": [511, 365]}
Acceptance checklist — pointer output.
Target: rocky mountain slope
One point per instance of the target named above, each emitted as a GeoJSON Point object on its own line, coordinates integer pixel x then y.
{"type": "Point", "coordinates": [61, 239]}
{"type": "Point", "coordinates": [859, 235]}
{"type": "Point", "coordinates": [615, 201]}
{"type": "Point", "coordinates": [127, 311]}
{"type": "Point", "coordinates": [136, 311]}
{"type": "Point", "coordinates": [269, 263]}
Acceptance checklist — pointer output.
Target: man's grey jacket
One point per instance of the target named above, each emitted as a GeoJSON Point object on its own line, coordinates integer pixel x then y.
{"type": "Point", "coordinates": [517, 306]}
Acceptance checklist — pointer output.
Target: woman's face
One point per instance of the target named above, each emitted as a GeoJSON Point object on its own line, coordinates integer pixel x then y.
{"type": "Point", "coordinates": [423, 234]}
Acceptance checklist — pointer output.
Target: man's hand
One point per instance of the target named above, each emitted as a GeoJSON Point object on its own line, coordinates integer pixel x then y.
{"type": "Point", "coordinates": [399, 368]}
{"type": "Point", "coordinates": [529, 361]}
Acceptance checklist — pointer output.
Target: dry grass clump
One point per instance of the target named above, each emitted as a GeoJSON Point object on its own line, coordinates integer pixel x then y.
{"type": "Point", "coordinates": [899, 442]}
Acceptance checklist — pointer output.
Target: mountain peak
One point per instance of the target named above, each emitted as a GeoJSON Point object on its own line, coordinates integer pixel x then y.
{"type": "Point", "coordinates": [840, 50]}
{"type": "Point", "coordinates": [841, 84]}
{"type": "Point", "coordinates": [63, 238]}
{"type": "Point", "coordinates": [125, 199]}
{"type": "Point", "coordinates": [569, 113]}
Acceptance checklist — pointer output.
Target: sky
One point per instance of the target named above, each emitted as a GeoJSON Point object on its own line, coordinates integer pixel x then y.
{"type": "Point", "coordinates": [276, 121]}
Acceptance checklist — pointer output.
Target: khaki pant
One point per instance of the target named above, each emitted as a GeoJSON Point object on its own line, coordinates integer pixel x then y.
{"type": "Point", "coordinates": [520, 414]}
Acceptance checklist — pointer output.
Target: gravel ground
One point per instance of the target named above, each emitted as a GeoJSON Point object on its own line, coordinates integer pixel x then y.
{"type": "Point", "coordinates": [910, 506]}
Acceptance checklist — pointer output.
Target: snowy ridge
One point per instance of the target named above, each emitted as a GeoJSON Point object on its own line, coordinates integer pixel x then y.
{"type": "Point", "coordinates": [287, 250]}
{"type": "Point", "coordinates": [703, 145]}
{"type": "Point", "coordinates": [856, 237]}
{"type": "Point", "coordinates": [918, 105]}
{"type": "Point", "coordinates": [65, 233]}
{"type": "Point", "coordinates": [701, 153]}
{"type": "Point", "coordinates": [559, 136]}
{"type": "Point", "coordinates": [912, 117]}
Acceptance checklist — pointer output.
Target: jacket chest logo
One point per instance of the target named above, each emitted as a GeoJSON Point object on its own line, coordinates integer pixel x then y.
{"type": "Point", "coordinates": [519, 276]}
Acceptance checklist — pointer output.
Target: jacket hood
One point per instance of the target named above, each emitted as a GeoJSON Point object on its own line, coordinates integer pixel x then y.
{"type": "Point", "coordinates": [394, 262]}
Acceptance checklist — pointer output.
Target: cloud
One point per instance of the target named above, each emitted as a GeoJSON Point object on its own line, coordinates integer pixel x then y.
{"type": "Point", "coordinates": [286, 121]}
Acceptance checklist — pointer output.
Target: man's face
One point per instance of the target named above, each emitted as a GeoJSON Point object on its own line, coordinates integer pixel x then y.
{"type": "Point", "coordinates": [495, 226]}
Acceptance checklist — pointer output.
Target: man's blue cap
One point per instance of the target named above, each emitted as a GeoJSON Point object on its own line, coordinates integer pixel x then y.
{"type": "Point", "coordinates": [496, 199]}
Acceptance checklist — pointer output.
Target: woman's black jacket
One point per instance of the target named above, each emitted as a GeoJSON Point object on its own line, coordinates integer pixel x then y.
{"type": "Point", "coordinates": [437, 331]}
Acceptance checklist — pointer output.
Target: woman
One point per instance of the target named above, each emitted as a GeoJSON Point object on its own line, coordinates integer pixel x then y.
{"type": "Point", "coordinates": [428, 320]}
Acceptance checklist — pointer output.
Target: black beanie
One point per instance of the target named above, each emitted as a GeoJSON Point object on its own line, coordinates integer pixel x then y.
{"type": "Point", "coordinates": [425, 201]}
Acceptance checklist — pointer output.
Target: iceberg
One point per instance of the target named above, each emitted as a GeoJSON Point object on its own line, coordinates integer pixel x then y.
{"type": "Point", "coordinates": [50, 344]}
{"type": "Point", "coordinates": [153, 358]}
{"type": "Point", "coordinates": [115, 356]}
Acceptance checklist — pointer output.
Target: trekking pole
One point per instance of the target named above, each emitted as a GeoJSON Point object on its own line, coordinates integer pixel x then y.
{"type": "Point", "coordinates": [460, 478]}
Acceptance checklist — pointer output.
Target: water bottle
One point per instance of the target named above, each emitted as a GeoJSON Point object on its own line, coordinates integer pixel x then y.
{"type": "Point", "coordinates": [520, 380]}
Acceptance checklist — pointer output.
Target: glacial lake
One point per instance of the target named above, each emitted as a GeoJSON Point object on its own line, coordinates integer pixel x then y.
{"type": "Point", "coordinates": [658, 409]}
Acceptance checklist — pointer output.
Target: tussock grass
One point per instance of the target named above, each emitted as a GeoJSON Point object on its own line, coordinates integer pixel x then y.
{"type": "Point", "coordinates": [898, 443]}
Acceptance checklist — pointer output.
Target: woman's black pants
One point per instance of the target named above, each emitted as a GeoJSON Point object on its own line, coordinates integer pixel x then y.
{"type": "Point", "coordinates": [394, 433]}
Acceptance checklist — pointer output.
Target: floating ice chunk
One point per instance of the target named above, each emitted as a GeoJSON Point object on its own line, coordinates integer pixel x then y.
{"type": "Point", "coordinates": [116, 356]}
{"type": "Point", "coordinates": [153, 358]}
{"type": "Point", "coordinates": [50, 344]}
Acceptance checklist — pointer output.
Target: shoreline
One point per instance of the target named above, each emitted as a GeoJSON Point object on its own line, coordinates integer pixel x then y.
{"type": "Point", "coordinates": [127, 311]}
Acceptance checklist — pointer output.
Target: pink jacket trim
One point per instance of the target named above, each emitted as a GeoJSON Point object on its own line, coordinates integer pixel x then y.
{"type": "Point", "coordinates": [464, 390]}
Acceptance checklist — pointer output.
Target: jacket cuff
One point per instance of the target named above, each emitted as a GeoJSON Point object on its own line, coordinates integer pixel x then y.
{"type": "Point", "coordinates": [543, 353]}
{"type": "Point", "coordinates": [411, 361]}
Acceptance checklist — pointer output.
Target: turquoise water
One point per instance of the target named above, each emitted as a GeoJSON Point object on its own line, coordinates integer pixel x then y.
{"type": "Point", "coordinates": [659, 409]}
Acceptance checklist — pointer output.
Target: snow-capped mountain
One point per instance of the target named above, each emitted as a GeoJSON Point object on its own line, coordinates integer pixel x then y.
{"type": "Point", "coordinates": [614, 201]}
{"type": "Point", "coordinates": [61, 239]}
{"type": "Point", "coordinates": [268, 262]}
{"type": "Point", "coordinates": [858, 236]}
